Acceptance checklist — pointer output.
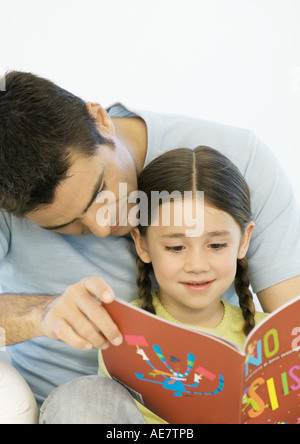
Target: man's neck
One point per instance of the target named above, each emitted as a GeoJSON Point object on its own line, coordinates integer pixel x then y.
{"type": "Point", "coordinates": [132, 131]}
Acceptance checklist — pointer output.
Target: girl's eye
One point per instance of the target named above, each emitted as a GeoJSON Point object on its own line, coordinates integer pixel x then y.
{"type": "Point", "coordinates": [175, 249]}
{"type": "Point", "coordinates": [217, 247]}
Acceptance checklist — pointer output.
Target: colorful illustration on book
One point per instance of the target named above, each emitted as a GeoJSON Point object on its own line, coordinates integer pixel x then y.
{"type": "Point", "coordinates": [173, 379]}
{"type": "Point", "coordinates": [266, 392]}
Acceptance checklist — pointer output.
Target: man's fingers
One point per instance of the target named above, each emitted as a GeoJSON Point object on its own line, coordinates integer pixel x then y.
{"type": "Point", "coordinates": [78, 318]}
{"type": "Point", "coordinates": [98, 288]}
{"type": "Point", "coordinates": [85, 329]}
{"type": "Point", "coordinates": [97, 313]}
{"type": "Point", "coordinates": [66, 333]}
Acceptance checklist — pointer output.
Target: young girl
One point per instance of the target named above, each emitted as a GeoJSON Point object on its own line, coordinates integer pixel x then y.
{"type": "Point", "coordinates": [193, 272]}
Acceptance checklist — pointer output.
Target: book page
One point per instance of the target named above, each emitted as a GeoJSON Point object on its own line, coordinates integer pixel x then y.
{"type": "Point", "coordinates": [272, 370]}
{"type": "Point", "coordinates": [184, 376]}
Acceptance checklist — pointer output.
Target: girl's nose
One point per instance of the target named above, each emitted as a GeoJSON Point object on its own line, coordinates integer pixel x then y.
{"type": "Point", "coordinates": [196, 262]}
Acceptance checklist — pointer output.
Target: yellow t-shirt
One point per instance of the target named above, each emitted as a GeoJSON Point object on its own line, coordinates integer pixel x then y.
{"type": "Point", "coordinates": [230, 328]}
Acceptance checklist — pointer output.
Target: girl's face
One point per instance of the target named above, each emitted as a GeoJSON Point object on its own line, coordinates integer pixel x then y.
{"type": "Point", "coordinates": [194, 272]}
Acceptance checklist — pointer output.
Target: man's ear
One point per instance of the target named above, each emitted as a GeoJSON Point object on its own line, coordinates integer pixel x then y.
{"type": "Point", "coordinates": [141, 245]}
{"type": "Point", "coordinates": [246, 240]}
{"type": "Point", "coordinates": [104, 122]}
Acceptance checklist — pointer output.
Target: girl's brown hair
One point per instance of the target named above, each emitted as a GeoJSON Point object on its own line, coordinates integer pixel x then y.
{"type": "Point", "coordinates": [202, 169]}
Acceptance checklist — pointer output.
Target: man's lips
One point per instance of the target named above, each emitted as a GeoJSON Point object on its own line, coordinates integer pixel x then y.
{"type": "Point", "coordinates": [198, 285]}
{"type": "Point", "coordinates": [121, 221]}
{"type": "Point", "coordinates": [115, 228]}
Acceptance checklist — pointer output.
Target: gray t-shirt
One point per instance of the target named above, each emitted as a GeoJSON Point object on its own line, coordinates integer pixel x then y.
{"type": "Point", "coordinates": [37, 261]}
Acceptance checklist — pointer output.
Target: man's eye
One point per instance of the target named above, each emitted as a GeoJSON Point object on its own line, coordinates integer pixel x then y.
{"type": "Point", "coordinates": [63, 229]}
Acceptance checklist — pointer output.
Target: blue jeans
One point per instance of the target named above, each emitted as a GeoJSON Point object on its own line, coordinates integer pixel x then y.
{"type": "Point", "coordinates": [90, 400]}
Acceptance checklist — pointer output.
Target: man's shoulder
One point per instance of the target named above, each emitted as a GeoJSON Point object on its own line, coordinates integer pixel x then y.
{"type": "Point", "coordinates": [175, 119]}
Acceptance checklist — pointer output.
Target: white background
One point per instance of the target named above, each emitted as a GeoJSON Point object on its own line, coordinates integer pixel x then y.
{"type": "Point", "coordinates": [231, 61]}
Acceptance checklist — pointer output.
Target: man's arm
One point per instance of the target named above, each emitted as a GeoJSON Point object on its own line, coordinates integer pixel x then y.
{"type": "Point", "coordinates": [273, 297]}
{"type": "Point", "coordinates": [20, 316]}
{"type": "Point", "coordinates": [77, 317]}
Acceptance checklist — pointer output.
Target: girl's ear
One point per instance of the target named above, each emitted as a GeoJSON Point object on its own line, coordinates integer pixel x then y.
{"type": "Point", "coordinates": [246, 240]}
{"type": "Point", "coordinates": [141, 245]}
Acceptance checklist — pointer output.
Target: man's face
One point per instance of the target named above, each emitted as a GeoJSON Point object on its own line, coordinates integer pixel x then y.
{"type": "Point", "coordinates": [75, 207]}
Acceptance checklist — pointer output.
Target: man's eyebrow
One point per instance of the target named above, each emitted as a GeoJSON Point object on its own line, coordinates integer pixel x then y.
{"type": "Point", "coordinates": [95, 194]}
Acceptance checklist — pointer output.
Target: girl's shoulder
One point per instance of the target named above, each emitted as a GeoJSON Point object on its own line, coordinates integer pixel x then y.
{"type": "Point", "coordinates": [236, 313]}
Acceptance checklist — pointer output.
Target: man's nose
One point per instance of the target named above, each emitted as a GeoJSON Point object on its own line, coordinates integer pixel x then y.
{"type": "Point", "coordinates": [99, 227]}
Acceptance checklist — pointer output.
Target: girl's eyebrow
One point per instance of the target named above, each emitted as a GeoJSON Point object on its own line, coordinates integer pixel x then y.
{"type": "Point", "coordinates": [219, 233]}
{"type": "Point", "coordinates": [210, 234]}
{"type": "Point", "coordinates": [173, 235]}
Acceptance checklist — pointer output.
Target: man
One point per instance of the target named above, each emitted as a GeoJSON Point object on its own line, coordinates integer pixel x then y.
{"type": "Point", "coordinates": [59, 156]}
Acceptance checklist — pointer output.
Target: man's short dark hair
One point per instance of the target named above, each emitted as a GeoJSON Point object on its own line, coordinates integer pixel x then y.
{"type": "Point", "coordinates": [41, 126]}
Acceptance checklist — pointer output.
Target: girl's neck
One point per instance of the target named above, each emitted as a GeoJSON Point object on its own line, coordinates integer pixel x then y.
{"type": "Point", "coordinates": [209, 317]}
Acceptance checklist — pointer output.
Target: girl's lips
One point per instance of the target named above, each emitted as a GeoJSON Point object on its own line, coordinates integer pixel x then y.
{"type": "Point", "coordinates": [198, 286]}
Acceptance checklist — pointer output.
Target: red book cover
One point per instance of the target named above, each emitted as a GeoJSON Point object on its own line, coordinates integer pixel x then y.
{"type": "Point", "coordinates": [186, 376]}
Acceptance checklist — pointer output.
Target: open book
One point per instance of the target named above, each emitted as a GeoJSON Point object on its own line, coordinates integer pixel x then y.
{"type": "Point", "coordinates": [187, 376]}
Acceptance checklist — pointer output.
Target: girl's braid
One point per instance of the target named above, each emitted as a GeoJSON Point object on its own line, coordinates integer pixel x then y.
{"type": "Point", "coordinates": [242, 283]}
{"type": "Point", "coordinates": [144, 285]}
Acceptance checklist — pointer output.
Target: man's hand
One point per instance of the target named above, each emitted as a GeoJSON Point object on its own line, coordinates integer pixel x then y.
{"type": "Point", "coordinates": [78, 318]}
